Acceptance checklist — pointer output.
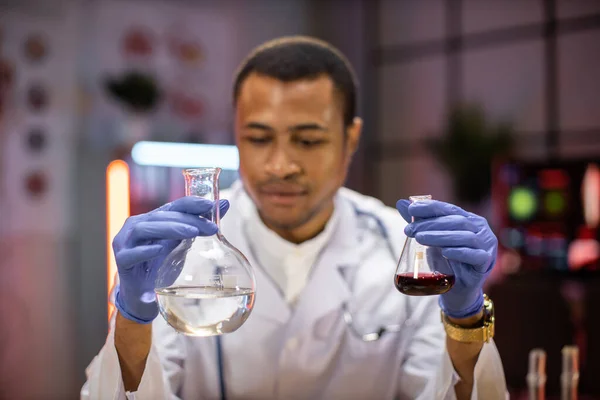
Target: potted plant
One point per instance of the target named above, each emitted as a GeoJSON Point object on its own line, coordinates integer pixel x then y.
{"type": "Point", "coordinates": [139, 95]}
{"type": "Point", "coordinates": [468, 149]}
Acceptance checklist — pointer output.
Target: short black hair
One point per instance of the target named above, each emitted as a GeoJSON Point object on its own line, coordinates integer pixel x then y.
{"type": "Point", "coordinates": [295, 58]}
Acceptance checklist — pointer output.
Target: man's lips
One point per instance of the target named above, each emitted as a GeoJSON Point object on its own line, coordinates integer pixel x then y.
{"type": "Point", "coordinates": [282, 195]}
{"type": "Point", "coordinates": [283, 190]}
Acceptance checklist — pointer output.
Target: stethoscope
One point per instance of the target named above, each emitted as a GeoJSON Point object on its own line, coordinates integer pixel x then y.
{"type": "Point", "coordinates": [371, 336]}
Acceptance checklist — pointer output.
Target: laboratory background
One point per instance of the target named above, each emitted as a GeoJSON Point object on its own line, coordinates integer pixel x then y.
{"type": "Point", "coordinates": [491, 105]}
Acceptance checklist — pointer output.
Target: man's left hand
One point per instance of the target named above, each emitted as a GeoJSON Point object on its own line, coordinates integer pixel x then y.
{"type": "Point", "coordinates": [466, 241]}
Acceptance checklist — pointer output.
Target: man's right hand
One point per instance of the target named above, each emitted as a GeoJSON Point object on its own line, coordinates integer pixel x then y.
{"type": "Point", "coordinates": [144, 242]}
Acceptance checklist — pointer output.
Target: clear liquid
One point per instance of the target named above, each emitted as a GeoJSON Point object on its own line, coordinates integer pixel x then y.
{"type": "Point", "coordinates": [205, 311]}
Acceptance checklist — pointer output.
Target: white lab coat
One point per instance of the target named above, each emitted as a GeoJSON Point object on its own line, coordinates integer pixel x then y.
{"type": "Point", "coordinates": [309, 352]}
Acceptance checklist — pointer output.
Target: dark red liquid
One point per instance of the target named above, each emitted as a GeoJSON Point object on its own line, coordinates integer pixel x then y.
{"type": "Point", "coordinates": [426, 283]}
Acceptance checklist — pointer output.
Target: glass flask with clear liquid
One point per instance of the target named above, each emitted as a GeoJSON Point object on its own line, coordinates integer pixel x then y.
{"type": "Point", "coordinates": [205, 286]}
{"type": "Point", "coordinates": [422, 270]}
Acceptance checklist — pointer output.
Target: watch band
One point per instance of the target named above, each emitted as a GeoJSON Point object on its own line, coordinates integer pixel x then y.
{"type": "Point", "coordinates": [482, 333]}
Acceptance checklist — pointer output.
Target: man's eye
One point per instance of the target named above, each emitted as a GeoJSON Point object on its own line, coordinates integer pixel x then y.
{"type": "Point", "coordinates": [311, 143]}
{"type": "Point", "coordinates": [259, 140]}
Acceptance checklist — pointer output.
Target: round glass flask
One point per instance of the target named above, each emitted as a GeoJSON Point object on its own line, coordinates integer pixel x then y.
{"type": "Point", "coordinates": [206, 286]}
{"type": "Point", "coordinates": [422, 270]}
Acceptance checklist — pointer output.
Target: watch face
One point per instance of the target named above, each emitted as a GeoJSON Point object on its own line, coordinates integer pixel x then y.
{"type": "Point", "coordinates": [488, 307]}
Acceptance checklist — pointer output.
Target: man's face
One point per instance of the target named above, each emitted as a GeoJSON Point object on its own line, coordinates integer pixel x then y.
{"type": "Point", "coordinates": [294, 154]}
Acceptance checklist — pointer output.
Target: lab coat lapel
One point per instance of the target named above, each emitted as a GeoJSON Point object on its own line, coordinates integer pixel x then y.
{"type": "Point", "coordinates": [269, 302]}
{"type": "Point", "coordinates": [327, 288]}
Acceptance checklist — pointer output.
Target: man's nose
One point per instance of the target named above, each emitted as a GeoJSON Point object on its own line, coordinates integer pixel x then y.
{"type": "Point", "coordinates": [281, 165]}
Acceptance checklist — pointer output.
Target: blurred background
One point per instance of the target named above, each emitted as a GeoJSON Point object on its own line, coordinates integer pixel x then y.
{"type": "Point", "coordinates": [492, 105]}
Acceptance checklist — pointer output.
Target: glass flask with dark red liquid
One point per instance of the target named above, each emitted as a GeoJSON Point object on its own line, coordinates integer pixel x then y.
{"type": "Point", "coordinates": [422, 270]}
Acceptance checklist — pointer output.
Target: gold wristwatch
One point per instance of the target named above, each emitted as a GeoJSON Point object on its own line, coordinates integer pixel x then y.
{"type": "Point", "coordinates": [482, 333]}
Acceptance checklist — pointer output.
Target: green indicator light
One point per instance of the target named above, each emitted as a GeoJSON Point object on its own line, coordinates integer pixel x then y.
{"type": "Point", "coordinates": [554, 202]}
{"type": "Point", "coordinates": [522, 203]}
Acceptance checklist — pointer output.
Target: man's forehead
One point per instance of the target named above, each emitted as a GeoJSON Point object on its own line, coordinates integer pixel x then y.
{"type": "Point", "coordinates": [265, 97]}
{"type": "Point", "coordinates": [257, 86]}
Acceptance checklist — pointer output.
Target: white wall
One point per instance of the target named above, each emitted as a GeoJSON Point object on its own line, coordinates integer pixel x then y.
{"type": "Point", "coordinates": [35, 286]}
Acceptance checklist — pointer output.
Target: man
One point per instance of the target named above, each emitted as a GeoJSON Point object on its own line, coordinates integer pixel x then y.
{"type": "Point", "coordinates": [324, 257]}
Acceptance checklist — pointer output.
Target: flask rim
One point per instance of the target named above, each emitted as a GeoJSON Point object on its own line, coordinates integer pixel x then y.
{"type": "Point", "coordinates": [201, 171]}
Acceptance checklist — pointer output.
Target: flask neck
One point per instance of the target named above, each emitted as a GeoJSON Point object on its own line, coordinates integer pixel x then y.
{"type": "Point", "coordinates": [416, 199]}
{"type": "Point", "coordinates": [204, 182]}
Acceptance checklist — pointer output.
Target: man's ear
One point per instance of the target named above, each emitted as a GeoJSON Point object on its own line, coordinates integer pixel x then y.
{"type": "Point", "coordinates": [353, 132]}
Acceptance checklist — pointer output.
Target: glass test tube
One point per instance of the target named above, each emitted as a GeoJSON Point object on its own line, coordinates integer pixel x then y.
{"type": "Point", "coordinates": [536, 376]}
{"type": "Point", "coordinates": [569, 378]}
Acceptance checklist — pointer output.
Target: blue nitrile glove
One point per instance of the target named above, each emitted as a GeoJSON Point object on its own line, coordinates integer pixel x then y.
{"type": "Point", "coordinates": [465, 240]}
{"type": "Point", "coordinates": [145, 240]}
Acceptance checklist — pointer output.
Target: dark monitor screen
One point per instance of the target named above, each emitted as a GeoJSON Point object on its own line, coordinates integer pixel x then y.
{"type": "Point", "coordinates": [549, 214]}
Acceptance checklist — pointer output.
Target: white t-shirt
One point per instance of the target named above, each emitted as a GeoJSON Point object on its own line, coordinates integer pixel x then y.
{"type": "Point", "coordinates": [288, 264]}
